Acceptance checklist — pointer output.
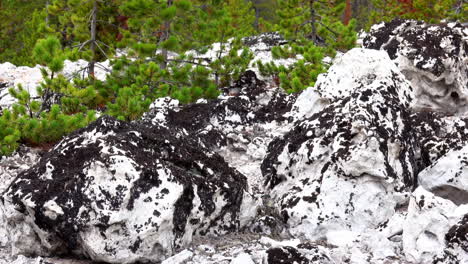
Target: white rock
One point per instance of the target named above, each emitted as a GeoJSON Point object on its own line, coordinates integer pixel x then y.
{"type": "Point", "coordinates": [242, 258]}
{"type": "Point", "coordinates": [428, 221]}
{"type": "Point", "coordinates": [448, 176]}
{"type": "Point", "coordinates": [180, 258]}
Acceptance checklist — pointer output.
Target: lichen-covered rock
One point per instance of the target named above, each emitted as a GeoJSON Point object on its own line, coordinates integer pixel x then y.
{"type": "Point", "coordinates": [304, 254]}
{"type": "Point", "coordinates": [448, 176]}
{"type": "Point", "coordinates": [360, 67]}
{"type": "Point", "coordinates": [122, 193]}
{"type": "Point", "coordinates": [265, 41]}
{"type": "Point", "coordinates": [10, 167]}
{"type": "Point", "coordinates": [456, 250]}
{"type": "Point", "coordinates": [238, 126]}
{"type": "Point", "coordinates": [345, 170]}
{"type": "Point", "coordinates": [433, 57]}
{"type": "Point", "coordinates": [438, 134]}
{"type": "Point", "coordinates": [432, 226]}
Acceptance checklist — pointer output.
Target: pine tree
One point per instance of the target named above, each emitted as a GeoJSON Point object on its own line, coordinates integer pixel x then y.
{"type": "Point", "coordinates": [431, 11]}
{"type": "Point", "coordinates": [20, 27]}
{"type": "Point", "coordinates": [88, 27]}
{"type": "Point", "coordinates": [158, 27]}
{"type": "Point", "coordinates": [242, 15]}
{"type": "Point", "coordinates": [60, 109]}
{"type": "Point", "coordinates": [188, 28]}
{"type": "Point", "coordinates": [313, 29]}
{"type": "Point", "coordinates": [265, 14]}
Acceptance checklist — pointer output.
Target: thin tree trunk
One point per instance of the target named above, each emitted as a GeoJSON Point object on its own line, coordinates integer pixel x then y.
{"type": "Point", "coordinates": [348, 13]}
{"type": "Point", "coordinates": [257, 17]}
{"type": "Point", "coordinates": [312, 21]}
{"type": "Point", "coordinates": [164, 37]}
{"type": "Point", "coordinates": [93, 39]}
{"type": "Point", "coordinates": [47, 16]}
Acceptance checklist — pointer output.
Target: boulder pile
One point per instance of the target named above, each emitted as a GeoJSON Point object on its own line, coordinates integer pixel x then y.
{"type": "Point", "coordinates": [368, 166]}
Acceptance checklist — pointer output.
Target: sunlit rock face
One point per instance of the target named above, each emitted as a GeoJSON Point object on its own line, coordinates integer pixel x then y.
{"type": "Point", "coordinates": [340, 174]}
{"type": "Point", "coordinates": [434, 58]}
{"type": "Point", "coordinates": [122, 193]}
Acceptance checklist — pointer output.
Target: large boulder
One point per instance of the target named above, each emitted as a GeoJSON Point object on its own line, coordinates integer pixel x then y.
{"type": "Point", "coordinates": [346, 169]}
{"type": "Point", "coordinates": [433, 57]}
{"type": "Point", "coordinates": [121, 193]}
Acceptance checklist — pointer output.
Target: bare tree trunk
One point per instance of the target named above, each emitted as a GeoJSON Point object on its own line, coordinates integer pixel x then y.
{"type": "Point", "coordinates": [165, 36]}
{"type": "Point", "coordinates": [47, 16]}
{"type": "Point", "coordinates": [257, 17]}
{"type": "Point", "coordinates": [93, 39]}
{"type": "Point", "coordinates": [348, 13]}
{"type": "Point", "coordinates": [313, 21]}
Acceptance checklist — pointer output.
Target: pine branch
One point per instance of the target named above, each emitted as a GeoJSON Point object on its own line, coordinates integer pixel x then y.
{"type": "Point", "coordinates": [99, 47]}
{"type": "Point", "coordinates": [84, 44]}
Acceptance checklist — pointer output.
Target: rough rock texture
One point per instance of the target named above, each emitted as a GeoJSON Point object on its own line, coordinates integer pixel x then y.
{"type": "Point", "coordinates": [438, 134]}
{"type": "Point", "coordinates": [433, 57]}
{"type": "Point", "coordinates": [122, 193]}
{"type": "Point", "coordinates": [433, 229]}
{"type": "Point", "coordinates": [10, 167]}
{"type": "Point", "coordinates": [238, 127]}
{"type": "Point", "coordinates": [343, 171]}
{"type": "Point", "coordinates": [368, 166]}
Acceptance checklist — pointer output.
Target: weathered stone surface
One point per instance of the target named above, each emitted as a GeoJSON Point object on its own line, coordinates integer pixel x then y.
{"type": "Point", "coordinates": [346, 168]}
{"type": "Point", "coordinates": [433, 58]}
{"type": "Point", "coordinates": [432, 225]}
{"type": "Point", "coordinates": [238, 127]}
{"type": "Point", "coordinates": [121, 193]}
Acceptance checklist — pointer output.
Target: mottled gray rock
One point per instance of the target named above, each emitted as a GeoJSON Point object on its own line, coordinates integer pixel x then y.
{"type": "Point", "coordinates": [122, 193]}
{"type": "Point", "coordinates": [340, 174]}
{"type": "Point", "coordinates": [434, 58]}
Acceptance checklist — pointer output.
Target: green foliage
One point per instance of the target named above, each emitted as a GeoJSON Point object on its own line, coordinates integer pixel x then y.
{"type": "Point", "coordinates": [265, 14]}
{"type": "Point", "coordinates": [9, 133]}
{"type": "Point", "coordinates": [314, 30]}
{"type": "Point", "coordinates": [301, 74]}
{"type": "Point", "coordinates": [227, 68]}
{"type": "Point", "coordinates": [431, 11]}
{"type": "Point", "coordinates": [21, 25]}
{"type": "Point", "coordinates": [48, 52]}
{"type": "Point", "coordinates": [27, 122]}
{"type": "Point", "coordinates": [41, 121]}
{"type": "Point", "coordinates": [242, 16]}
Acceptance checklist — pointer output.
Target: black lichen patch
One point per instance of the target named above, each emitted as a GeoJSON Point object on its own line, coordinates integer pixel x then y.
{"type": "Point", "coordinates": [436, 135]}
{"type": "Point", "coordinates": [253, 103]}
{"type": "Point", "coordinates": [285, 255]}
{"type": "Point", "coordinates": [458, 234]}
{"type": "Point", "coordinates": [378, 38]}
{"type": "Point", "coordinates": [69, 175]}
{"type": "Point", "coordinates": [305, 253]}
{"type": "Point", "coordinates": [136, 245]}
{"type": "Point", "coordinates": [425, 43]}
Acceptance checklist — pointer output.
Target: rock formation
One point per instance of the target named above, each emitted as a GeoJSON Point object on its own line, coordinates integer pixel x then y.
{"type": "Point", "coordinates": [368, 166]}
